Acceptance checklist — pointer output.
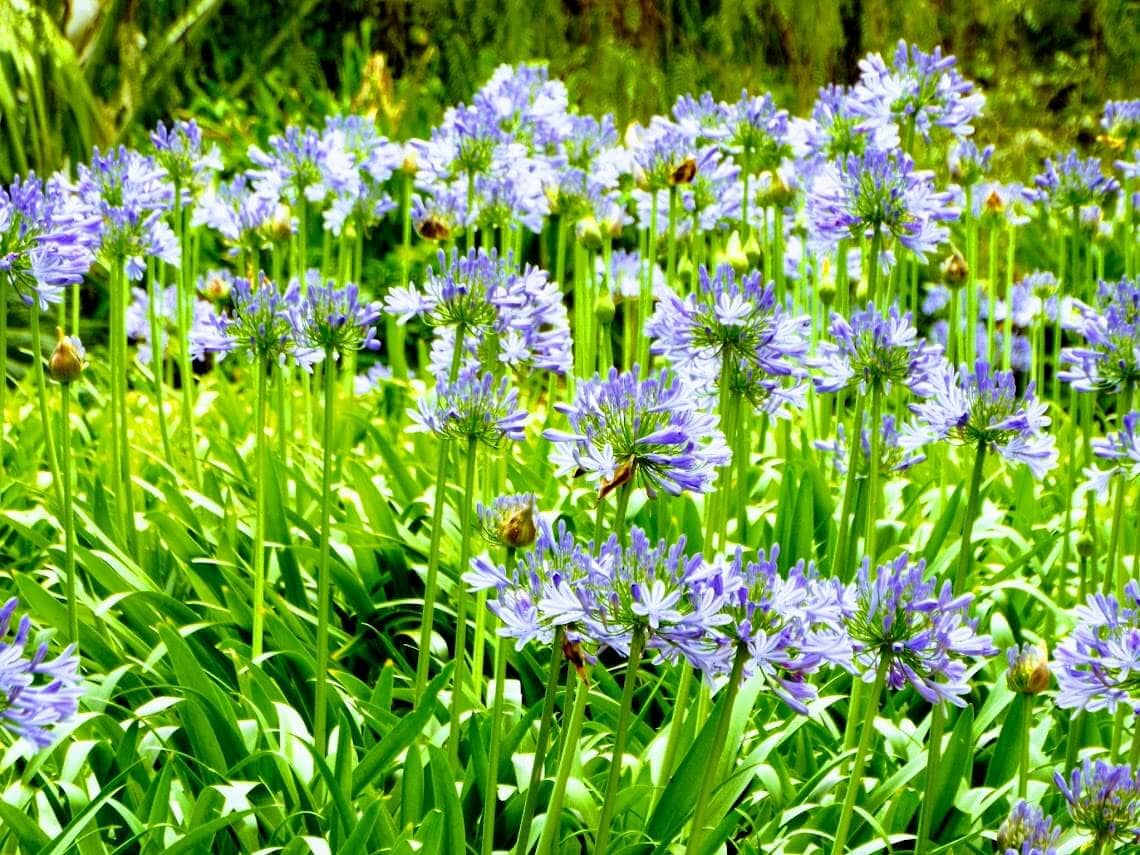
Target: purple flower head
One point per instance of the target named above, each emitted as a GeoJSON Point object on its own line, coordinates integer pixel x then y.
{"type": "Point", "coordinates": [474, 408]}
{"type": "Point", "coordinates": [259, 324]}
{"type": "Point", "coordinates": [711, 200]}
{"type": "Point", "coordinates": [1027, 831]}
{"type": "Point", "coordinates": [1098, 664]}
{"type": "Point", "coordinates": [1070, 182]}
{"type": "Point", "coordinates": [1103, 801]}
{"type": "Point", "coordinates": [356, 167]}
{"type": "Point", "coordinates": [514, 191]}
{"type": "Point", "coordinates": [732, 329]}
{"type": "Point", "coordinates": [967, 163]}
{"type": "Point", "coordinates": [874, 350]}
{"type": "Point", "coordinates": [981, 406]}
{"type": "Point", "coordinates": [702, 119]}
{"type": "Point", "coordinates": [35, 692]}
{"type": "Point", "coordinates": [921, 635]}
{"type": "Point", "coordinates": [439, 210]}
{"type": "Point", "coordinates": [918, 90]}
{"type": "Point", "coordinates": [1121, 449]}
{"type": "Point", "coordinates": [626, 272]}
{"type": "Point", "coordinates": [1121, 123]}
{"type": "Point", "coordinates": [791, 624]}
{"type": "Point", "coordinates": [45, 243]}
{"type": "Point", "coordinates": [129, 194]}
{"type": "Point", "coordinates": [462, 146]}
{"type": "Point", "coordinates": [526, 105]}
{"type": "Point", "coordinates": [509, 520]}
{"type": "Point", "coordinates": [236, 212]}
{"type": "Point", "coordinates": [294, 169]}
{"type": "Point", "coordinates": [624, 429]}
{"type": "Point", "coordinates": [202, 321]}
{"type": "Point", "coordinates": [757, 133]}
{"type": "Point", "coordinates": [665, 156]}
{"type": "Point", "coordinates": [331, 320]}
{"type": "Point", "coordinates": [835, 130]}
{"type": "Point", "coordinates": [179, 151]}
{"type": "Point", "coordinates": [544, 590]}
{"type": "Point", "coordinates": [878, 192]}
{"type": "Point", "coordinates": [895, 453]}
{"type": "Point", "coordinates": [1111, 356]}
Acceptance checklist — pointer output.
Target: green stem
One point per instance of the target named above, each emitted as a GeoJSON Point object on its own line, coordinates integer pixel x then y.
{"type": "Point", "coordinates": [68, 513]}
{"type": "Point", "coordinates": [1115, 532]}
{"type": "Point", "coordinates": [677, 721]}
{"type": "Point", "coordinates": [185, 307]}
{"type": "Point", "coordinates": [855, 781]}
{"type": "Point", "coordinates": [544, 728]}
{"type": "Point", "coordinates": [874, 429]}
{"type": "Point", "coordinates": [933, 761]}
{"type": "Point", "coordinates": [965, 556]}
{"type": "Point", "coordinates": [839, 566]}
{"type": "Point", "coordinates": [1023, 764]}
{"type": "Point", "coordinates": [711, 776]}
{"type": "Point", "coordinates": [872, 262]}
{"type": "Point", "coordinates": [459, 689]}
{"type": "Point", "coordinates": [121, 440]}
{"type": "Point", "coordinates": [565, 766]}
{"type": "Point", "coordinates": [490, 790]}
{"type": "Point", "coordinates": [259, 440]}
{"type": "Point", "coordinates": [671, 249]}
{"type": "Point", "coordinates": [157, 359]}
{"type": "Point", "coordinates": [42, 395]}
{"type": "Point", "coordinates": [636, 646]}
{"type": "Point", "coordinates": [620, 509]}
{"type": "Point", "coordinates": [991, 291]}
{"type": "Point", "coordinates": [778, 253]}
{"type": "Point", "coordinates": [645, 304]}
{"type": "Point", "coordinates": [4, 366]}
{"type": "Point", "coordinates": [323, 583]}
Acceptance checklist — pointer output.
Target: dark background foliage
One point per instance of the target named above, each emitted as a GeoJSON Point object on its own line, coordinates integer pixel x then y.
{"type": "Point", "coordinates": [245, 67]}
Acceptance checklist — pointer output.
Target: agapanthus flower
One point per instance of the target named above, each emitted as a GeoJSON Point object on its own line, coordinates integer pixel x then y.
{"type": "Point", "coordinates": [982, 407]}
{"type": "Point", "coordinates": [756, 132]}
{"type": "Point", "coordinates": [356, 168]}
{"type": "Point", "coordinates": [894, 455]}
{"type": "Point", "coordinates": [1121, 121]}
{"type": "Point", "coordinates": [236, 212]}
{"type": "Point", "coordinates": [835, 130]}
{"type": "Point", "coordinates": [873, 350]}
{"type": "Point", "coordinates": [526, 104]}
{"type": "Point", "coordinates": [1098, 664]}
{"type": "Point", "coordinates": [68, 358]}
{"type": "Point", "coordinates": [129, 194]}
{"type": "Point", "coordinates": [332, 320]}
{"type": "Point", "coordinates": [701, 118]}
{"type": "Point", "coordinates": [179, 150]}
{"type": "Point", "coordinates": [475, 408]}
{"type": "Point", "coordinates": [259, 324]}
{"type": "Point", "coordinates": [790, 624]}
{"type": "Point", "coordinates": [535, 597]}
{"type": "Point", "coordinates": [371, 378]}
{"type": "Point", "coordinates": [1104, 801]}
{"type": "Point", "coordinates": [514, 191]}
{"type": "Point", "coordinates": [507, 316]}
{"type": "Point", "coordinates": [138, 327]}
{"type": "Point", "coordinates": [45, 243]}
{"type": "Point", "coordinates": [35, 692]}
{"type": "Point", "coordinates": [1027, 831]}
{"type": "Point", "coordinates": [967, 163]}
{"type": "Point", "coordinates": [1121, 450]}
{"type": "Point", "coordinates": [920, 634]}
{"type": "Point", "coordinates": [627, 430]}
{"type": "Point", "coordinates": [878, 192]}
{"type": "Point", "coordinates": [439, 210]}
{"type": "Point", "coordinates": [626, 272]}
{"type": "Point", "coordinates": [665, 156]}
{"type": "Point", "coordinates": [461, 147]}
{"type": "Point", "coordinates": [509, 520]}
{"type": "Point", "coordinates": [923, 90]}
{"type": "Point", "coordinates": [1111, 356]}
{"type": "Point", "coordinates": [297, 167]}
{"type": "Point", "coordinates": [1071, 182]}
{"type": "Point", "coordinates": [732, 329]}
{"type": "Point", "coordinates": [711, 200]}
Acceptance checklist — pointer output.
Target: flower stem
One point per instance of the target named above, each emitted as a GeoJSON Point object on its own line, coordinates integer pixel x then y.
{"type": "Point", "coordinates": [965, 555]}
{"type": "Point", "coordinates": [460, 686]}
{"type": "Point", "coordinates": [490, 790]}
{"type": "Point", "coordinates": [933, 761]}
{"type": "Point", "coordinates": [68, 512]}
{"type": "Point", "coordinates": [322, 659]}
{"type": "Point", "coordinates": [855, 781]}
{"type": "Point", "coordinates": [121, 444]}
{"type": "Point", "coordinates": [1115, 532]}
{"type": "Point", "coordinates": [872, 262]}
{"type": "Point", "coordinates": [259, 442]}
{"type": "Point", "coordinates": [184, 310]}
{"type": "Point", "coordinates": [544, 727]}
{"type": "Point", "coordinates": [157, 359]}
{"type": "Point", "coordinates": [645, 304]}
{"type": "Point", "coordinates": [711, 777]}
{"type": "Point", "coordinates": [671, 250]}
{"type": "Point", "coordinates": [569, 754]}
{"type": "Point", "coordinates": [1023, 762]}
{"type": "Point", "coordinates": [3, 365]}
{"type": "Point", "coordinates": [636, 646]}
{"type": "Point", "coordinates": [872, 468]}
{"type": "Point", "coordinates": [839, 567]}
{"type": "Point", "coordinates": [677, 721]}
{"type": "Point", "coordinates": [41, 390]}
{"type": "Point", "coordinates": [619, 514]}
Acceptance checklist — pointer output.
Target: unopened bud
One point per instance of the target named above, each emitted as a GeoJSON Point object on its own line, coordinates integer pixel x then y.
{"type": "Point", "coordinates": [1085, 547]}
{"type": "Point", "coordinates": [734, 253]}
{"type": "Point", "coordinates": [281, 224]}
{"type": "Point", "coordinates": [588, 232]}
{"type": "Point", "coordinates": [954, 269]}
{"type": "Point", "coordinates": [685, 271]}
{"type": "Point", "coordinates": [604, 309]}
{"type": "Point", "coordinates": [1028, 672]}
{"type": "Point", "coordinates": [752, 251]}
{"type": "Point", "coordinates": [827, 294]}
{"type": "Point", "coordinates": [216, 287]}
{"type": "Point", "coordinates": [67, 360]}
{"type": "Point", "coordinates": [517, 530]}
{"type": "Point", "coordinates": [433, 228]}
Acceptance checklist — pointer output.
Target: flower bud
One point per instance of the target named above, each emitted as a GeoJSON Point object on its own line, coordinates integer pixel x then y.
{"type": "Point", "coordinates": [734, 254]}
{"type": "Point", "coordinates": [1028, 672]}
{"type": "Point", "coordinates": [1085, 547]}
{"type": "Point", "coordinates": [588, 232]}
{"type": "Point", "coordinates": [281, 224]}
{"type": "Point", "coordinates": [685, 271]}
{"type": "Point", "coordinates": [994, 203]}
{"type": "Point", "coordinates": [216, 287]}
{"type": "Point", "coordinates": [954, 269]}
{"type": "Point", "coordinates": [518, 530]}
{"type": "Point", "coordinates": [827, 293]}
{"type": "Point", "coordinates": [752, 250]}
{"type": "Point", "coordinates": [67, 360]}
{"type": "Point", "coordinates": [604, 307]}
{"type": "Point", "coordinates": [411, 161]}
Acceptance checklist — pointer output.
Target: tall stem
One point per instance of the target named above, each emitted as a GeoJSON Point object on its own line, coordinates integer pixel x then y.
{"type": "Point", "coordinates": [157, 358]}
{"type": "Point", "coordinates": [645, 304]}
{"type": "Point", "coordinates": [671, 249]}
{"type": "Point", "coordinates": [1023, 761]}
{"type": "Point", "coordinates": [185, 295]}
{"type": "Point", "coordinates": [677, 720]}
{"type": "Point", "coordinates": [68, 513]}
{"type": "Point", "coordinates": [42, 395]}
{"type": "Point", "coordinates": [322, 661]}
{"type": "Point", "coordinates": [490, 790]}
{"type": "Point", "coordinates": [259, 443]}
{"type": "Point", "coordinates": [839, 565]}
{"type": "Point", "coordinates": [855, 782]}
{"type": "Point", "coordinates": [459, 689]}
{"type": "Point", "coordinates": [3, 365]}
{"type": "Point", "coordinates": [544, 727]}
{"type": "Point", "coordinates": [121, 442]}
{"type": "Point", "coordinates": [965, 556]}
{"type": "Point", "coordinates": [711, 777]}
{"type": "Point", "coordinates": [874, 429]}
{"type": "Point", "coordinates": [636, 645]}
{"type": "Point", "coordinates": [933, 761]}
{"type": "Point", "coordinates": [565, 766]}
{"type": "Point", "coordinates": [873, 276]}
{"type": "Point", "coordinates": [1116, 531]}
